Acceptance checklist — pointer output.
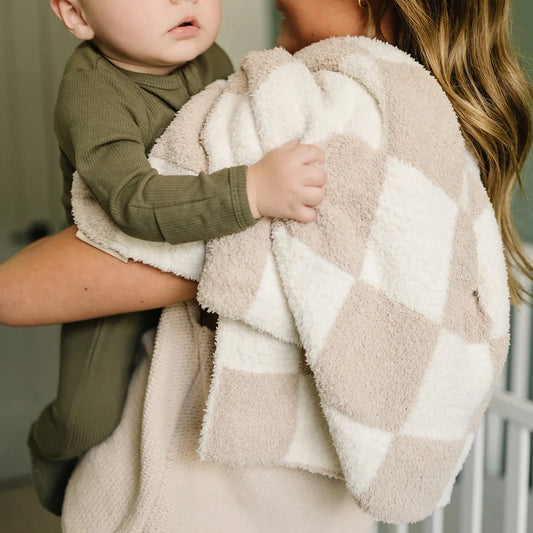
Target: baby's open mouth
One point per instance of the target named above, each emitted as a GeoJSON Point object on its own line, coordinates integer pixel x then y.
{"type": "Point", "coordinates": [187, 22]}
{"type": "Point", "coordinates": [188, 27]}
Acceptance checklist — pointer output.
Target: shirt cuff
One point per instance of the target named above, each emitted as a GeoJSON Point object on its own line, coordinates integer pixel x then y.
{"type": "Point", "coordinates": [239, 197]}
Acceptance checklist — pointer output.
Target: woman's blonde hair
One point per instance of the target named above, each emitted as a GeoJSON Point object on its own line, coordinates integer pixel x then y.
{"type": "Point", "coordinates": [466, 45]}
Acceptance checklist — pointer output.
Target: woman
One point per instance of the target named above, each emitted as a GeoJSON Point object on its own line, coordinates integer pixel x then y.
{"type": "Point", "coordinates": [466, 48]}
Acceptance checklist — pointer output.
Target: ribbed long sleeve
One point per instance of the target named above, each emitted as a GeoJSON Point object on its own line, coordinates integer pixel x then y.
{"type": "Point", "coordinates": [107, 119]}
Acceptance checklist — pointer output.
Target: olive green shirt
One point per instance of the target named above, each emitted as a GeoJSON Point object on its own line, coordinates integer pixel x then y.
{"type": "Point", "coordinates": [107, 120]}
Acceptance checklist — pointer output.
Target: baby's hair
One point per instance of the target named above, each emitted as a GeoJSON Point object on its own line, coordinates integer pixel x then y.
{"type": "Point", "coordinates": [466, 45]}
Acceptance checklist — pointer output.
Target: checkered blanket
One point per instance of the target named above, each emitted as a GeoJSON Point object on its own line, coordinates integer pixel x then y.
{"type": "Point", "coordinates": [365, 345]}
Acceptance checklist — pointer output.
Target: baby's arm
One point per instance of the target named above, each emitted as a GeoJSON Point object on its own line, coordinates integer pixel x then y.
{"type": "Point", "coordinates": [62, 279]}
{"type": "Point", "coordinates": [104, 133]}
{"type": "Point", "coordinates": [111, 159]}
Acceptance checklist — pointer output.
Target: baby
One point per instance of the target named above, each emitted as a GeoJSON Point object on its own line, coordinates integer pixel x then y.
{"type": "Point", "coordinates": [139, 63]}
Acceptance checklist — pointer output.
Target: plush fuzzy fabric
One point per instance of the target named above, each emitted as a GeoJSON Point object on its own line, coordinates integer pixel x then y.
{"type": "Point", "coordinates": [364, 346]}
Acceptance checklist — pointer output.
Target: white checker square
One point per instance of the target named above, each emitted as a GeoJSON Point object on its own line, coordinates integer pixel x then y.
{"type": "Point", "coordinates": [241, 347]}
{"type": "Point", "coordinates": [361, 449]}
{"type": "Point", "coordinates": [270, 311]}
{"type": "Point", "coordinates": [218, 132]}
{"type": "Point", "coordinates": [410, 245]}
{"type": "Point", "coordinates": [285, 103]}
{"type": "Point", "coordinates": [244, 137]}
{"type": "Point", "coordinates": [345, 108]}
{"type": "Point", "coordinates": [456, 381]}
{"type": "Point", "coordinates": [311, 444]}
{"type": "Point", "coordinates": [493, 290]}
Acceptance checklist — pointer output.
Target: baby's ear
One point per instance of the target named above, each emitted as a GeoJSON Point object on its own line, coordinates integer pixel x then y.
{"type": "Point", "coordinates": [71, 14]}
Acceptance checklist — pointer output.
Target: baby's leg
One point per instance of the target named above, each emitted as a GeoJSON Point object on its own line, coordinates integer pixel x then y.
{"type": "Point", "coordinates": [97, 359]}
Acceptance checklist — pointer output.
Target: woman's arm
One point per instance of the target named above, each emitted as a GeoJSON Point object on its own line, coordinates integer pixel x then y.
{"type": "Point", "coordinates": [62, 279]}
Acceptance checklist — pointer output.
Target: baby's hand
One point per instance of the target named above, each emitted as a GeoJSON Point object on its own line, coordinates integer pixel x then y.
{"type": "Point", "coordinates": [287, 182]}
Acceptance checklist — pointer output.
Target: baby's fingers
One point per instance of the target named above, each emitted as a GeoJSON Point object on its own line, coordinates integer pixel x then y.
{"type": "Point", "coordinates": [304, 214]}
{"type": "Point", "coordinates": [312, 196]}
{"type": "Point", "coordinates": [309, 153]}
{"type": "Point", "coordinates": [313, 175]}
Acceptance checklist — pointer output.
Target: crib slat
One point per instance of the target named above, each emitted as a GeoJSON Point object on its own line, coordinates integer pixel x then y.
{"type": "Point", "coordinates": [402, 528]}
{"type": "Point", "coordinates": [518, 437]}
{"type": "Point", "coordinates": [521, 339]}
{"type": "Point", "coordinates": [516, 479]}
{"type": "Point", "coordinates": [435, 523]}
{"type": "Point", "coordinates": [394, 528]}
{"type": "Point", "coordinates": [471, 509]}
{"type": "Point", "coordinates": [495, 436]}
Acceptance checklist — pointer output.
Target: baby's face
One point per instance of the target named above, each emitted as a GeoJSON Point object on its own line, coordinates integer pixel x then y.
{"type": "Point", "coordinates": [152, 36]}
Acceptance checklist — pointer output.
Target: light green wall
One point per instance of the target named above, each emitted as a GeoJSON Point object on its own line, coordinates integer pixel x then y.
{"type": "Point", "coordinates": [276, 16]}
{"type": "Point", "coordinates": [523, 36]}
{"type": "Point", "coordinates": [245, 26]}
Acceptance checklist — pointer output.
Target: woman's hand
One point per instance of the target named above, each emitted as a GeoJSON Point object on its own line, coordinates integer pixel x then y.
{"type": "Point", "coordinates": [62, 279]}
